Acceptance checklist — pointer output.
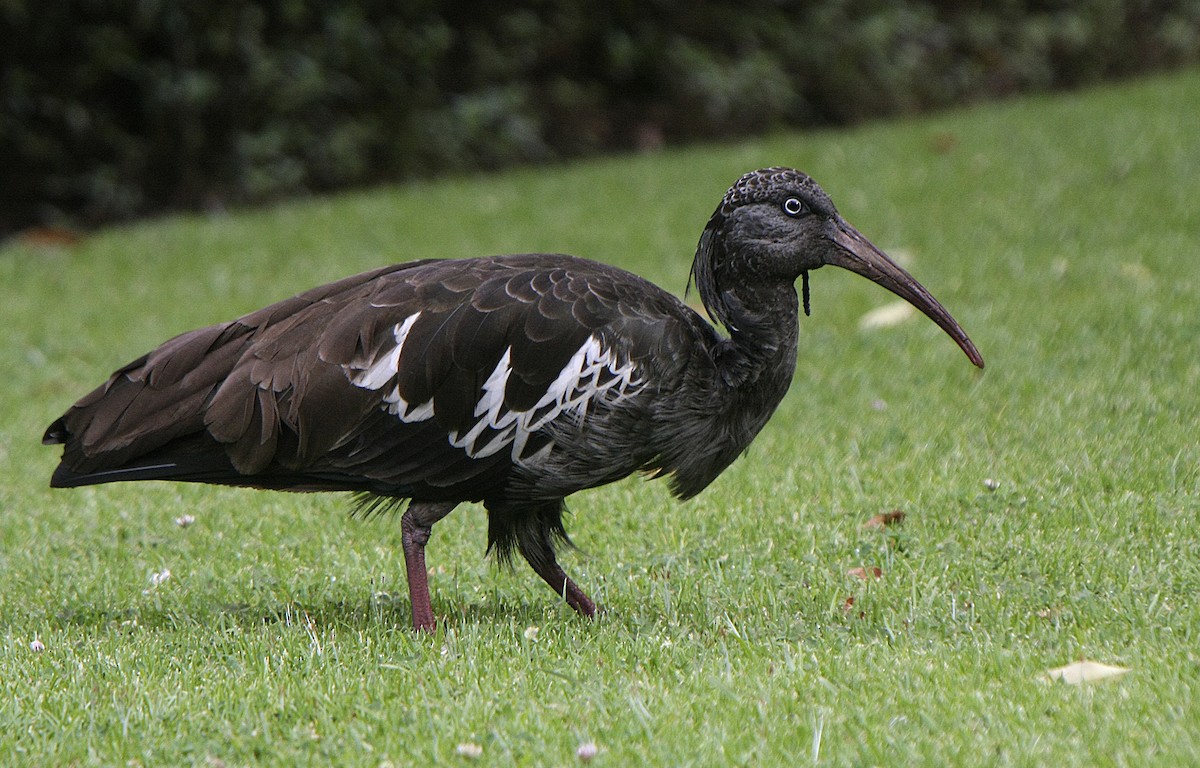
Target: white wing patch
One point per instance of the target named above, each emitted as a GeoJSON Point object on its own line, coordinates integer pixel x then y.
{"type": "Point", "coordinates": [593, 374]}
{"type": "Point", "coordinates": [378, 372]}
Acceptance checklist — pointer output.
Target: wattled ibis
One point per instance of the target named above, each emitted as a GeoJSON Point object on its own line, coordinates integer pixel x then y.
{"type": "Point", "coordinates": [508, 380]}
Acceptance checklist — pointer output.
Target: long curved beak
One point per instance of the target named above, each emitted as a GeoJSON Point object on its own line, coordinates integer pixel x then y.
{"type": "Point", "coordinates": [859, 255]}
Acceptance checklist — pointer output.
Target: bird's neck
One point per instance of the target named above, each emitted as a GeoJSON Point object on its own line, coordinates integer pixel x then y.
{"type": "Point", "coordinates": [751, 372]}
{"type": "Point", "coordinates": [760, 353]}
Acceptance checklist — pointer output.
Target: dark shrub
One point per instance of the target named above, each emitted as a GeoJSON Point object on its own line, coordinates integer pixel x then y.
{"type": "Point", "coordinates": [117, 108]}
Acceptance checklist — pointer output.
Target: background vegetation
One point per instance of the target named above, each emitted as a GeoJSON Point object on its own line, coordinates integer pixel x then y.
{"type": "Point", "coordinates": [118, 108]}
{"type": "Point", "coordinates": [1061, 232]}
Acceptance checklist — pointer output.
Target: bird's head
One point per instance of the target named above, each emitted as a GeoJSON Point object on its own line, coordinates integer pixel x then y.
{"type": "Point", "coordinates": [775, 225]}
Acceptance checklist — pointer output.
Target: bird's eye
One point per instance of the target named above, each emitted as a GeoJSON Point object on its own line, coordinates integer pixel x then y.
{"type": "Point", "coordinates": [793, 207]}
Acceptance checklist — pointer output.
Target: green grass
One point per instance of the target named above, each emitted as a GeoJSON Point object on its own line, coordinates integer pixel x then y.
{"type": "Point", "coordinates": [1064, 233]}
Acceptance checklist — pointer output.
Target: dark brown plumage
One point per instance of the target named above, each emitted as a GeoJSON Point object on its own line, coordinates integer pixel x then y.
{"type": "Point", "coordinates": [510, 380]}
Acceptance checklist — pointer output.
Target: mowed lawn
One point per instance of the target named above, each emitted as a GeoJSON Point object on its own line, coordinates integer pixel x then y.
{"type": "Point", "coordinates": [1052, 502]}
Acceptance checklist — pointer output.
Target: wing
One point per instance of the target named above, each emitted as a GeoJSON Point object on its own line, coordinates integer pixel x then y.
{"type": "Point", "coordinates": [148, 420]}
{"type": "Point", "coordinates": [432, 379]}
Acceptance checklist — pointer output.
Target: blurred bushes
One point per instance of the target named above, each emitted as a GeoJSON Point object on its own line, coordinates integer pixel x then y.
{"type": "Point", "coordinates": [111, 109]}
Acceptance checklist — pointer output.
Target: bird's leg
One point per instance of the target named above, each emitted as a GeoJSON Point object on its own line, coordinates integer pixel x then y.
{"type": "Point", "coordinates": [415, 526]}
{"type": "Point", "coordinates": [532, 529]}
{"type": "Point", "coordinates": [553, 574]}
{"type": "Point", "coordinates": [538, 551]}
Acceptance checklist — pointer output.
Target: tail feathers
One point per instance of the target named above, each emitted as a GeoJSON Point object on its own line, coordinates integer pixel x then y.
{"type": "Point", "coordinates": [217, 469]}
{"type": "Point", "coordinates": [198, 469]}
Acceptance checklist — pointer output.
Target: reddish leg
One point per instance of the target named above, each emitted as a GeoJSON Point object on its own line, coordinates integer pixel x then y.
{"type": "Point", "coordinates": [415, 526]}
{"type": "Point", "coordinates": [553, 574]}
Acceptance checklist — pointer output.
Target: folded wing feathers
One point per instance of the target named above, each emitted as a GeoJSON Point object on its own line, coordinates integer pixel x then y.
{"type": "Point", "coordinates": [168, 393]}
{"type": "Point", "coordinates": [588, 374]}
{"type": "Point", "coordinates": [481, 355]}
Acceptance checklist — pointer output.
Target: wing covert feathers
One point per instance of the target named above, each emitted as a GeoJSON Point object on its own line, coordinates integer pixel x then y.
{"type": "Point", "coordinates": [367, 383]}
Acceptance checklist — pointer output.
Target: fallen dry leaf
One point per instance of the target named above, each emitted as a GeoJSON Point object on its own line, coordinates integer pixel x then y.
{"type": "Point", "coordinates": [943, 142]}
{"type": "Point", "coordinates": [469, 750]}
{"type": "Point", "coordinates": [49, 237]}
{"type": "Point", "coordinates": [873, 572]}
{"type": "Point", "coordinates": [902, 256]}
{"type": "Point", "coordinates": [884, 519]}
{"type": "Point", "coordinates": [1084, 672]}
{"type": "Point", "coordinates": [1138, 273]}
{"type": "Point", "coordinates": [886, 316]}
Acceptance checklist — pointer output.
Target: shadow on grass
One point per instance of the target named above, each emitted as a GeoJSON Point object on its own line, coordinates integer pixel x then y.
{"type": "Point", "coordinates": [381, 611]}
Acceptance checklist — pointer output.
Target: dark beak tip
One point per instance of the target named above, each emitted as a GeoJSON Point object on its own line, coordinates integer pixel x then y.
{"type": "Point", "coordinates": [859, 255]}
{"type": "Point", "coordinates": [965, 344]}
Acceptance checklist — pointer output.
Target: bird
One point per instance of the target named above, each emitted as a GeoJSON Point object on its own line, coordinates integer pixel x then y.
{"type": "Point", "coordinates": [511, 380]}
